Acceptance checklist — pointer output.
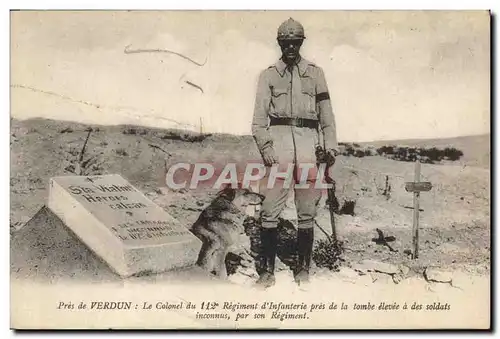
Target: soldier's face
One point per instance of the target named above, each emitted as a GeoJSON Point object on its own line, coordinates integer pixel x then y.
{"type": "Point", "coordinates": [290, 48]}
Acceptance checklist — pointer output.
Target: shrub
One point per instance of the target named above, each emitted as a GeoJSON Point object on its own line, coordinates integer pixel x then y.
{"type": "Point", "coordinates": [370, 151]}
{"type": "Point", "coordinates": [426, 155]}
{"type": "Point", "coordinates": [348, 207]}
{"type": "Point", "coordinates": [386, 150]}
{"type": "Point", "coordinates": [130, 130]}
{"type": "Point", "coordinates": [66, 130]}
{"type": "Point", "coordinates": [121, 151]}
{"type": "Point", "coordinates": [452, 153]}
{"type": "Point", "coordinates": [359, 153]}
{"type": "Point", "coordinates": [184, 136]}
{"type": "Point", "coordinates": [433, 153]}
{"type": "Point", "coordinates": [74, 151]}
{"type": "Point", "coordinates": [349, 150]}
{"type": "Point", "coordinates": [328, 253]}
{"type": "Point", "coordinates": [134, 131]}
{"type": "Point", "coordinates": [426, 160]}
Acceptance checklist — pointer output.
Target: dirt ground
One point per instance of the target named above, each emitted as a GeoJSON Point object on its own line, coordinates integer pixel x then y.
{"type": "Point", "coordinates": [454, 219]}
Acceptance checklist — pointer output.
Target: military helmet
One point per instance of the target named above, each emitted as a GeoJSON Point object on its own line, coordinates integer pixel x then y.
{"type": "Point", "coordinates": [291, 29]}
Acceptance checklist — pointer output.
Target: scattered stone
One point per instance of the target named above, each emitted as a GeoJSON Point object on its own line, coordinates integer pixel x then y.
{"type": "Point", "coordinates": [481, 270]}
{"type": "Point", "coordinates": [246, 271]}
{"type": "Point", "coordinates": [158, 191]}
{"type": "Point", "coordinates": [361, 269]}
{"type": "Point", "coordinates": [188, 208]}
{"type": "Point", "coordinates": [408, 253]}
{"type": "Point", "coordinates": [245, 244]}
{"type": "Point", "coordinates": [404, 270]}
{"type": "Point", "coordinates": [355, 222]}
{"type": "Point", "coordinates": [348, 272]}
{"type": "Point", "coordinates": [397, 278]}
{"type": "Point", "coordinates": [164, 191]}
{"type": "Point", "coordinates": [377, 266]}
{"type": "Point", "coordinates": [66, 130]}
{"type": "Point", "coordinates": [380, 277]}
{"type": "Point", "coordinates": [151, 195]}
{"type": "Point", "coordinates": [365, 280]}
{"type": "Point", "coordinates": [437, 287]}
{"type": "Point", "coordinates": [452, 248]}
{"type": "Point", "coordinates": [432, 274]}
{"type": "Point", "coordinates": [279, 265]}
{"type": "Point", "coordinates": [18, 224]}
{"type": "Point", "coordinates": [246, 263]}
{"type": "Point", "coordinates": [460, 280]}
{"type": "Point", "coordinates": [241, 279]}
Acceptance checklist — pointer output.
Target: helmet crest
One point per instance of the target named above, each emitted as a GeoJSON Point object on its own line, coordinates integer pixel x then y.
{"type": "Point", "coordinates": [291, 29]}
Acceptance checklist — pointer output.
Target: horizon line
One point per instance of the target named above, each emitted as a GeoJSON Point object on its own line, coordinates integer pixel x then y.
{"type": "Point", "coordinates": [245, 135]}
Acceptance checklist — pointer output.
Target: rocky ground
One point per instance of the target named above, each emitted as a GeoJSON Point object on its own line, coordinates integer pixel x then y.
{"type": "Point", "coordinates": [455, 214]}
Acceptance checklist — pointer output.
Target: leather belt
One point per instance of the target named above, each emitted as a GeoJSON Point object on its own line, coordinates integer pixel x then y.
{"type": "Point", "coordinates": [298, 122]}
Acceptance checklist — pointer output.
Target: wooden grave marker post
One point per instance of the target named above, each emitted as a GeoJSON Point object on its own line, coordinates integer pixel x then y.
{"type": "Point", "coordinates": [416, 187]}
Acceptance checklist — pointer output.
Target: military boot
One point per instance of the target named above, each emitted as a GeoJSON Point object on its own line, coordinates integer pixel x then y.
{"type": "Point", "coordinates": [305, 240]}
{"type": "Point", "coordinates": [269, 243]}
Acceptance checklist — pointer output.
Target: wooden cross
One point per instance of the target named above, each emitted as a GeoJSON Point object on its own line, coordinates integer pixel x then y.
{"type": "Point", "coordinates": [416, 187]}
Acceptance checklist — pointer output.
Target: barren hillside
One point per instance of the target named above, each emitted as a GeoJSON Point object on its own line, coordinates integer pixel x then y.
{"type": "Point", "coordinates": [455, 222]}
{"type": "Point", "coordinates": [476, 148]}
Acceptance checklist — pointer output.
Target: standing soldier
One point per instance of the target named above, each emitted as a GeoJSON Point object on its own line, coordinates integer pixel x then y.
{"type": "Point", "coordinates": [292, 114]}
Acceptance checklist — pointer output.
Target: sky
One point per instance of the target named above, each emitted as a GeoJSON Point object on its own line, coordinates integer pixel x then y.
{"type": "Point", "coordinates": [391, 75]}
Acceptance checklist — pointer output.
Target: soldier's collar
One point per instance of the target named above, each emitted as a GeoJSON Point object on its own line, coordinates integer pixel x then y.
{"type": "Point", "coordinates": [302, 66]}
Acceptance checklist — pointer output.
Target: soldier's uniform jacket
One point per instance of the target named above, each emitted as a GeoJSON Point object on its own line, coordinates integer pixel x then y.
{"type": "Point", "coordinates": [299, 92]}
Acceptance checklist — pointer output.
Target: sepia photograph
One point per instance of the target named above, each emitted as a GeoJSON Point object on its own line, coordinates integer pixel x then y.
{"type": "Point", "coordinates": [216, 169]}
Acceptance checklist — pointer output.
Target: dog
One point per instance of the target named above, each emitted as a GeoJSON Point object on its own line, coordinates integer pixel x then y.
{"type": "Point", "coordinates": [220, 225]}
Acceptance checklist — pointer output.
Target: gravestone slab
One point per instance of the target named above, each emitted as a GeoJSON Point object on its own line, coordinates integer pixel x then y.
{"type": "Point", "coordinates": [121, 225]}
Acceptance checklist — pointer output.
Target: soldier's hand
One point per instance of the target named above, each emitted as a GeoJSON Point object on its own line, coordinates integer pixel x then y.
{"type": "Point", "coordinates": [269, 157]}
{"type": "Point", "coordinates": [331, 156]}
